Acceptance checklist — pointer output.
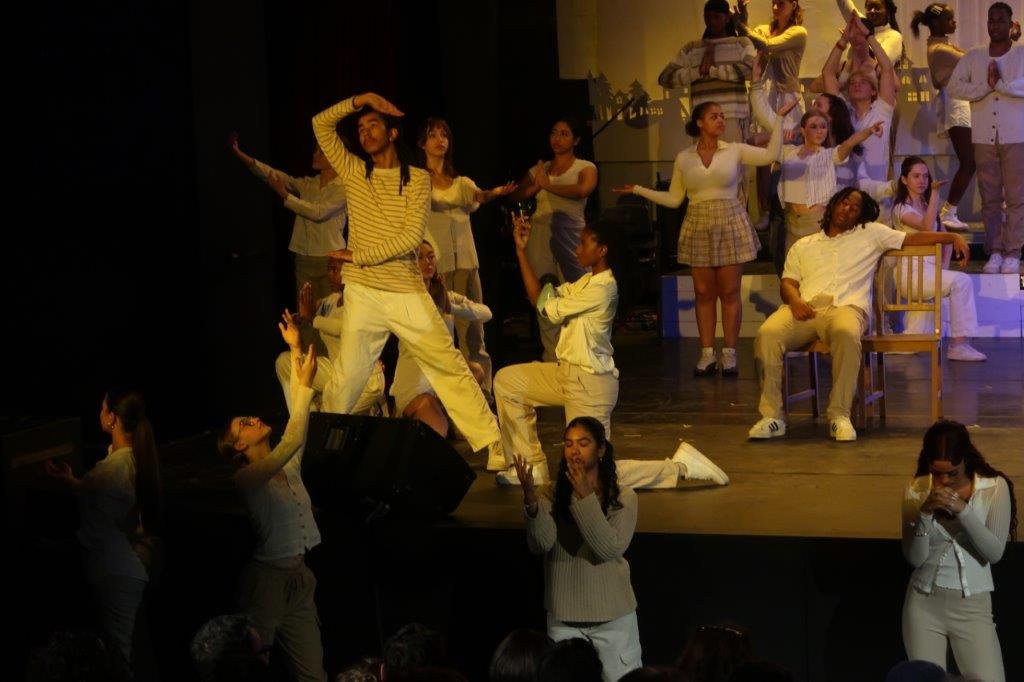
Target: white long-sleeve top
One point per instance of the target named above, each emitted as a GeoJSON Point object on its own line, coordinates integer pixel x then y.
{"type": "Point", "coordinates": [720, 180]}
{"type": "Point", "coordinates": [409, 380]}
{"type": "Point", "coordinates": [449, 226]}
{"type": "Point", "coordinates": [957, 555]}
{"type": "Point", "coordinates": [586, 576]}
{"type": "Point", "coordinates": [997, 115]}
{"type": "Point", "coordinates": [319, 212]}
{"type": "Point", "coordinates": [586, 310]}
{"type": "Point", "coordinates": [110, 518]}
{"type": "Point", "coordinates": [386, 222]}
{"type": "Point", "coordinates": [277, 501]}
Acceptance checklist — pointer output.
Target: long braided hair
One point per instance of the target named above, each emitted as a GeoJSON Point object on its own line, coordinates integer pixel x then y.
{"type": "Point", "coordinates": [606, 472]}
{"type": "Point", "coordinates": [949, 441]}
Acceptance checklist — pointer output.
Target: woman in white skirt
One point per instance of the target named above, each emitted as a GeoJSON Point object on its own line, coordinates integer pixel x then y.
{"type": "Point", "coordinates": [954, 115]}
{"type": "Point", "coordinates": [958, 513]}
{"type": "Point", "coordinates": [716, 238]}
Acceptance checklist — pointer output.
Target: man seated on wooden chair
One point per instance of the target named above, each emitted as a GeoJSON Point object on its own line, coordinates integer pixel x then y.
{"type": "Point", "coordinates": [826, 294]}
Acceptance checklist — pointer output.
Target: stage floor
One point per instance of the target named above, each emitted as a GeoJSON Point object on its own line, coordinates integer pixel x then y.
{"type": "Point", "coordinates": [800, 485]}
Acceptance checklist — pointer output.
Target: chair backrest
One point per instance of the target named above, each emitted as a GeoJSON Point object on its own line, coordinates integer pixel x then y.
{"type": "Point", "coordinates": [909, 267]}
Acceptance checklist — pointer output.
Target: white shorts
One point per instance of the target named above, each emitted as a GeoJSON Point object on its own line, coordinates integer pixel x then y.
{"type": "Point", "coordinates": [952, 112]}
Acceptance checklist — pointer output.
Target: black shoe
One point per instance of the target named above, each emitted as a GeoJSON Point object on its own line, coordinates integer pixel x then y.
{"type": "Point", "coordinates": [709, 371]}
{"type": "Point", "coordinates": [731, 372]}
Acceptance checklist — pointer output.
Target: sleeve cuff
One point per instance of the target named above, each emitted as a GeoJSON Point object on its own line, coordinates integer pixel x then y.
{"type": "Point", "coordinates": [546, 294]}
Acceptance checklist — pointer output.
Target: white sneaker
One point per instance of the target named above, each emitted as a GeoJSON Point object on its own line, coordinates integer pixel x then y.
{"type": "Point", "coordinates": [842, 429]}
{"type": "Point", "coordinates": [767, 427]}
{"type": "Point", "coordinates": [698, 467]}
{"type": "Point", "coordinates": [994, 264]}
{"type": "Point", "coordinates": [1010, 266]}
{"type": "Point", "coordinates": [965, 352]}
{"type": "Point", "coordinates": [951, 221]}
{"type": "Point", "coordinates": [496, 460]}
{"type": "Point", "coordinates": [511, 477]}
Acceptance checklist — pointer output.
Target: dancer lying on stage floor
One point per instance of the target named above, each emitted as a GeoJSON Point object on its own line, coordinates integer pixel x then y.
{"type": "Point", "coordinates": [958, 513]}
{"type": "Point", "coordinates": [413, 394]}
{"type": "Point", "coordinates": [324, 315]}
{"type": "Point", "coordinates": [826, 293]}
{"type": "Point", "coordinates": [276, 587]}
{"type": "Point", "coordinates": [388, 203]}
{"type": "Point", "coordinates": [584, 380]}
{"type": "Point", "coordinates": [583, 530]}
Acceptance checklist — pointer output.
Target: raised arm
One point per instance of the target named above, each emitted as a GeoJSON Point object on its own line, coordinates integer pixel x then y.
{"type": "Point", "coordinates": [325, 129]}
{"type": "Point", "coordinates": [521, 236]}
{"type": "Point", "coordinates": [413, 227]}
{"type": "Point", "coordinates": [762, 156]}
{"type": "Point", "coordinates": [887, 84]}
{"type": "Point", "coordinates": [848, 9]}
{"type": "Point", "coordinates": [833, 64]}
{"type": "Point", "coordinates": [844, 149]}
{"type": "Point", "coordinates": [793, 38]}
{"type": "Point", "coordinates": [670, 199]}
{"type": "Point", "coordinates": [763, 113]}
{"type": "Point", "coordinates": [330, 204]}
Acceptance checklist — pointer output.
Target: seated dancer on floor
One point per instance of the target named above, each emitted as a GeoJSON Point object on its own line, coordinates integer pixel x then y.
{"type": "Point", "coordinates": [413, 394]}
{"type": "Point", "coordinates": [583, 530]}
{"type": "Point", "coordinates": [388, 203]}
{"type": "Point", "coordinates": [324, 316]}
{"type": "Point", "coordinates": [584, 380]}
{"type": "Point", "coordinates": [826, 293]}
{"type": "Point", "coordinates": [276, 587]}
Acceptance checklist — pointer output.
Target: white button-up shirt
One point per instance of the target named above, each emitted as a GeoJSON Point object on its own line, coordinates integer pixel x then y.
{"type": "Point", "coordinates": [960, 557]}
{"type": "Point", "coordinates": [997, 116]}
{"type": "Point", "coordinates": [585, 309]}
{"type": "Point", "coordinates": [838, 270]}
{"type": "Point", "coordinates": [319, 212]}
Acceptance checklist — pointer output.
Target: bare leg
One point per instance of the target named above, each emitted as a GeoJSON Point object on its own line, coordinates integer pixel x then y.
{"type": "Point", "coordinates": [427, 409]}
{"type": "Point", "coordinates": [961, 139]}
{"type": "Point", "coordinates": [705, 288]}
{"type": "Point", "coordinates": [727, 281]}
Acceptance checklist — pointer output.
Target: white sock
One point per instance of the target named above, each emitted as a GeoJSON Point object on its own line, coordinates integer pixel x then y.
{"type": "Point", "coordinates": [947, 208]}
{"type": "Point", "coordinates": [728, 357]}
{"type": "Point", "coordinates": [707, 357]}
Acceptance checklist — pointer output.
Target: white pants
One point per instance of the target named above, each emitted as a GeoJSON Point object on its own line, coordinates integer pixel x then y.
{"type": "Point", "coordinates": [957, 287]}
{"type": "Point", "coordinates": [118, 599]}
{"type": "Point", "coordinates": [368, 316]}
{"type": "Point", "coordinates": [932, 620]}
{"type": "Point", "coordinates": [520, 389]}
{"type": "Point", "coordinates": [617, 642]}
{"type": "Point", "coordinates": [373, 391]}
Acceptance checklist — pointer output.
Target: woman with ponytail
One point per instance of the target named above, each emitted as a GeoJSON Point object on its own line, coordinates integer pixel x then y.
{"type": "Point", "coordinates": [583, 532]}
{"type": "Point", "coordinates": [958, 513]}
{"type": "Point", "coordinates": [120, 509]}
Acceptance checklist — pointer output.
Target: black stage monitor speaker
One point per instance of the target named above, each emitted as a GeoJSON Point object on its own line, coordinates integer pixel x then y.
{"type": "Point", "coordinates": [382, 466]}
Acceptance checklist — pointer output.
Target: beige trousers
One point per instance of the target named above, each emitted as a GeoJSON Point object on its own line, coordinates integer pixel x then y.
{"type": "Point", "coordinates": [372, 395]}
{"type": "Point", "coordinates": [932, 620]}
{"type": "Point", "coordinates": [520, 389]}
{"type": "Point", "coordinates": [1001, 179]}
{"type": "Point", "coordinates": [312, 269]}
{"type": "Point", "coordinates": [280, 603]}
{"type": "Point", "coordinates": [471, 334]}
{"type": "Point", "coordinates": [840, 327]}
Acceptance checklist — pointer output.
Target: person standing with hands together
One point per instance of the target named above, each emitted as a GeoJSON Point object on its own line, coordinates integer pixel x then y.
{"type": "Point", "coordinates": [583, 533]}
{"type": "Point", "coordinates": [958, 514]}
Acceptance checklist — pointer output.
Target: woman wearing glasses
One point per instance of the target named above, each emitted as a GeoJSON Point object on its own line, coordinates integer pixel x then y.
{"type": "Point", "coordinates": [276, 587]}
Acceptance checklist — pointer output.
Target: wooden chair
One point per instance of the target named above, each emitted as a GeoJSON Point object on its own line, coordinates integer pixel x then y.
{"type": "Point", "coordinates": [908, 295]}
{"type": "Point", "coordinates": [907, 270]}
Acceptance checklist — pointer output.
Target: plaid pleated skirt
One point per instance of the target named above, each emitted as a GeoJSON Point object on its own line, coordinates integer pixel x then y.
{"type": "Point", "coordinates": [716, 233]}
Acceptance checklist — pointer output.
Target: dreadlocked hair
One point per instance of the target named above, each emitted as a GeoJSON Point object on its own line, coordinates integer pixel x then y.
{"type": "Point", "coordinates": [949, 441]}
{"type": "Point", "coordinates": [868, 208]}
{"type": "Point", "coordinates": [607, 475]}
